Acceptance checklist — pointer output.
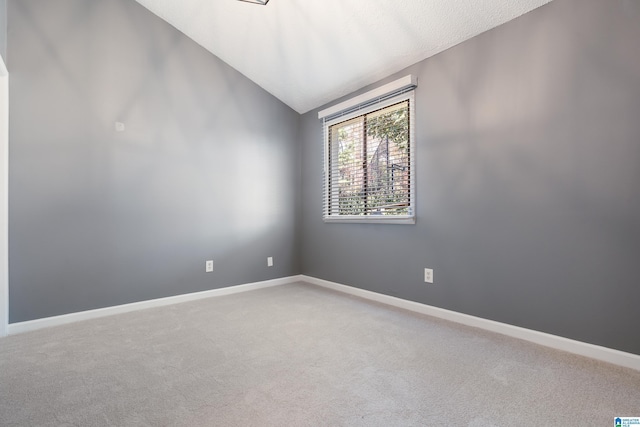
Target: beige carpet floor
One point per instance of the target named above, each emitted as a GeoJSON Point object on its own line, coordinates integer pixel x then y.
{"type": "Point", "coordinates": [298, 355]}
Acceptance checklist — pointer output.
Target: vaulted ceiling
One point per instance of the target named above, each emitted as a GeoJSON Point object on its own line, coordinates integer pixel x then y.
{"type": "Point", "coordinates": [310, 52]}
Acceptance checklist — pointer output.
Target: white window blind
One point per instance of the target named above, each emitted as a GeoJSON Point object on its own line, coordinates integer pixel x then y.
{"type": "Point", "coordinates": [369, 158]}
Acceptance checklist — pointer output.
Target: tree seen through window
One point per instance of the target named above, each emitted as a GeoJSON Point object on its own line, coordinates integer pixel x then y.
{"type": "Point", "coordinates": [373, 168]}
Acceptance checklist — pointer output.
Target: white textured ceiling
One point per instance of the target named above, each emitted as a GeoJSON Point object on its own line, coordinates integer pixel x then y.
{"type": "Point", "coordinates": [310, 52]}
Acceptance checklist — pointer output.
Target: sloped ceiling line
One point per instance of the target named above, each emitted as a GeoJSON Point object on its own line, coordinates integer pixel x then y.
{"type": "Point", "coordinates": [307, 53]}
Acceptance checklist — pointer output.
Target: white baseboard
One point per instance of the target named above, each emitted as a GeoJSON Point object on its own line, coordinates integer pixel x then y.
{"type": "Point", "coordinates": [32, 325]}
{"type": "Point", "coordinates": [616, 357]}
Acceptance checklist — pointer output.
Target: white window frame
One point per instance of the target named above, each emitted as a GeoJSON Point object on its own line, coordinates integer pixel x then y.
{"type": "Point", "coordinates": [387, 95]}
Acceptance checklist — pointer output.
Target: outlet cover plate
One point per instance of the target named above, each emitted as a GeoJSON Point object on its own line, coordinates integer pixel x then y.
{"type": "Point", "coordinates": [428, 275]}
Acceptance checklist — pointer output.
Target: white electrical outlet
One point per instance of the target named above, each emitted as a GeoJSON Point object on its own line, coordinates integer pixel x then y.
{"type": "Point", "coordinates": [270, 261]}
{"type": "Point", "coordinates": [208, 266]}
{"type": "Point", "coordinates": [428, 275]}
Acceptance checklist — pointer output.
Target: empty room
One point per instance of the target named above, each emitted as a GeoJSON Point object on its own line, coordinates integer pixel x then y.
{"type": "Point", "coordinates": [309, 213]}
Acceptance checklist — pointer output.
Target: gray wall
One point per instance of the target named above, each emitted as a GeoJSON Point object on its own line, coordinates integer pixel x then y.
{"type": "Point", "coordinates": [529, 147]}
{"type": "Point", "coordinates": [206, 169]}
{"type": "Point", "coordinates": [3, 28]}
{"type": "Point", "coordinates": [528, 172]}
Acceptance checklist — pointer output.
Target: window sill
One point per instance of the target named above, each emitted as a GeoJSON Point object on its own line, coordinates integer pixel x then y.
{"type": "Point", "coordinates": [403, 220]}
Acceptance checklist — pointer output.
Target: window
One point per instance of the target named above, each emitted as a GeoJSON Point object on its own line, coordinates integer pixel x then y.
{"type": "Point", "coordinates": [369, 152]}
